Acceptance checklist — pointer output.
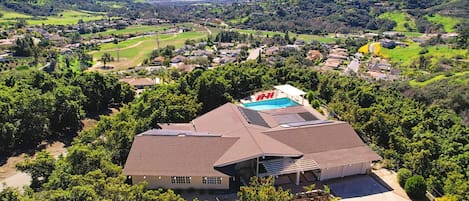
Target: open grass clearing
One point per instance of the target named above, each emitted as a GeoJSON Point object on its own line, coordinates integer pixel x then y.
{"type": "Point", "coordinates": [69, 17]}
{"type": "Point", "coordinates": [400, 18]}
{"type": "Point", "coordinates": [409, 54]}
{"type": "Point", "coordinates": [134, 29]}
{"type": "Point", "coordinates": [305, 37]}
{"type": "Point", "coordinates": [415, 83]}
{"type": "Point", "coordinates": [140, 48]}
{"type": "Point", "coordinates": [63, 18]}
{"type": "Point", "coordinates": [12, 15]}
{"type": "Point", "coordinates": [447, 22]}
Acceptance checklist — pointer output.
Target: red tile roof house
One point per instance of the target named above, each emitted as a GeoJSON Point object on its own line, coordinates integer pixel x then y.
{"type": "Point", "coordinates": [232, 143]}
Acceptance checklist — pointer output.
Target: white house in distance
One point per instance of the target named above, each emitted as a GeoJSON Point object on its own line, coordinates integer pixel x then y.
{"type": "Point", "coordinates": [231, 143]}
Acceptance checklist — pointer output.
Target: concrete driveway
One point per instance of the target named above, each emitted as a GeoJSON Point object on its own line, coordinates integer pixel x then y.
{"type": "Point", "coordinates": [362, 188]}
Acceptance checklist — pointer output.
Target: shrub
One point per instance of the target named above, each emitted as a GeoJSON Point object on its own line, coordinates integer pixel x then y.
{"type": "Point", "coordinates": [416, 187]}
{"type": "Point", "coordinates": [310, 96]}
{"type": "Point", "coordinates": [402, 175]}
{"type": "Point", "coordinates": [315, 104]}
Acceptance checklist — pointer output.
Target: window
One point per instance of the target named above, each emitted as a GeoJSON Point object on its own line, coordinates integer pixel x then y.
{"type": "Point", "coordinates": [211, 180]}
{"type": "Point", "coordinates": [180, 180]}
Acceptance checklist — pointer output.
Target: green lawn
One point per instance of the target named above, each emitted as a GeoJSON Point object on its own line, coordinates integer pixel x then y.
{"type": "Point", "coordinates": [134, 51]}
{"type": "Point", "coordinates": [12, 15]}
{"type": "Point", "coordinates": [406, 55]}
{"type": "Point", "coordinates": [412, 34]}
{"type": "Point", "coordinates": [447, 22]}
{"type": "Point", "coordinates": [66, 17]}
{"type": "Point", "coordinates": [400, 18]}
{"type": "Point", "coordinates": [239, 20]}
{"type": "Point", "coordinates": [134, 29]}
{"type": "Point", "coordinates": [127, 43]}
{"type": "Point", "coordinates": [325, 39]}
{"type": "Point", "coordinates": [305, 37]}
{"type": "Point", "coordinates": [415, 83]}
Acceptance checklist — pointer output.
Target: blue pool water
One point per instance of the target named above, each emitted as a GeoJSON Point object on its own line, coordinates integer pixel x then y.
{"type": "Point", "coordinates": [271, 104]}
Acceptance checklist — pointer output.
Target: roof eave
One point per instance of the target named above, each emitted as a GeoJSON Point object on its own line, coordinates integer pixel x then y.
{"type": "Point", "coordinates": [222, 164]}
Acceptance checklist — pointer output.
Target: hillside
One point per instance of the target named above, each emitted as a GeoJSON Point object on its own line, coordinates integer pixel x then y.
{"type": "Point", "coordinates": [302, 16]}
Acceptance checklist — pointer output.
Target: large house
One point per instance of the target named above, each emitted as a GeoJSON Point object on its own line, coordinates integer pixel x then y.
{"type": "Point", "coordinates": [226, 146]}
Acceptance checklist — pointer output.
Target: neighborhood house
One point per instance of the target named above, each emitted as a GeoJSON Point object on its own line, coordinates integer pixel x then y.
{"type": "Point", "coordinates": [223, 148]}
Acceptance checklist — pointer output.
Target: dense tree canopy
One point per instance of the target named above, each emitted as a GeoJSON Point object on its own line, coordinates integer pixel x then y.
{"type": "Point", "coordinates": [429, 140]}
{"type": "Point", "coordinates": [36, 106]}
{"type": "Point", "coordinates": [263, 189]}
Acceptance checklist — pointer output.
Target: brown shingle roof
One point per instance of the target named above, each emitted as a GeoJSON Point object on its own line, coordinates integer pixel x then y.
{"type": "Point", "coordinates": [334, 142]}
{"type": "Point", "coordinates": [318, 138]}
{"type": "Point", "coordinates": [226, 137]}
{"type": "Point", "coordinates": [139, 81]}
{"type": "Point", "coordinates": [176, 156]}
{"type": "Point", "coordinates": [227, 120]}
{"type": "Point", "coordinates": [334, 158]}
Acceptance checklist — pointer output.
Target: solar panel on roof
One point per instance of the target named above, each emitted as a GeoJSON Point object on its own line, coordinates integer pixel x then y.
{"type": "Point", "coordinates": [288, 118]}
{"type": "Point", "coordinates": [306, 123]}
{"type": "Point", "coordinates": [253, 117]}
{"type": "Point", "coordinates": [307, 116]}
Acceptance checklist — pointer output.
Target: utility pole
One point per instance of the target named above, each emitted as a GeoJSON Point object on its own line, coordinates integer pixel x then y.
{"type": "Point", "coordinates": [157, 40]}
{"type": "Point", "coordinates": [118, 51]}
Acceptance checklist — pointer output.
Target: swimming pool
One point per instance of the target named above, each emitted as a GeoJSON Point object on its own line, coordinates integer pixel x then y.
{"type": "Point", "coordinates": [271, 104]}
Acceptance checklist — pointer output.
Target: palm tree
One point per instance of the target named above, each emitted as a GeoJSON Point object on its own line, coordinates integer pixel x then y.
{"type": "Point", "coordinates": [106, 58]}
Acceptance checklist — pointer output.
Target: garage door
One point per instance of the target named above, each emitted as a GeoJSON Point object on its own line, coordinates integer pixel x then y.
{"type": "Point", "coordinates": [330, 173]}
{"type": "Point", "coordinates": [353, 169]}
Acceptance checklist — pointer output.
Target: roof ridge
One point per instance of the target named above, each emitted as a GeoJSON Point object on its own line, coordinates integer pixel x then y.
{"type": "Point", "coordinates": [248, 127]}
{"type": "Point", "coordinates": [244, 122]}
{"type": "Point", "coordinates": [275, 129]}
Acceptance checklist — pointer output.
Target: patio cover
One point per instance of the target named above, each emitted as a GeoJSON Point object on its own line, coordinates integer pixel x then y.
{"type": "Point", "coordinates": [288, 166]}
{"type": "Point", "coordinates": [290, 90]}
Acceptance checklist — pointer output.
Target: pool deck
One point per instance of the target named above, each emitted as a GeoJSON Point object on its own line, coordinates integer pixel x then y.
{"type": "Point", "coordinates": [300, 100]}
{"type": "Point", "coordinates": [278, 94]}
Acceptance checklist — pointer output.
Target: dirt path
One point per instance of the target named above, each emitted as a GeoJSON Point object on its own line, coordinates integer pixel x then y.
{"type": "Point", "coordinates": [115, 49]}
{"type": "Point", "coordinates": [17, 179]}
{"type": "Point", "coordinates": [208, 30]}
{"type": "Point", "coordinates": [11, 177]}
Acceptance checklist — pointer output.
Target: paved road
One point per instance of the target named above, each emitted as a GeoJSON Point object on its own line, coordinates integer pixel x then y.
{"type": "Point", "coordinates": [363, 188]}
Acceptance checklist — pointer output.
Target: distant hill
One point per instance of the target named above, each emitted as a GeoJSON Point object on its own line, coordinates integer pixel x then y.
{"type": "Point", "coordinates": [326, 16]}
{"type": "Point", "coordinates": [54, 7]}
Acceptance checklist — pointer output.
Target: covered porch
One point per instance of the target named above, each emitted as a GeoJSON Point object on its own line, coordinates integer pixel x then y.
{"type": "Point", "coordinates": [291, 92]}
{"type": "Point", "coordinates": [288, 170]}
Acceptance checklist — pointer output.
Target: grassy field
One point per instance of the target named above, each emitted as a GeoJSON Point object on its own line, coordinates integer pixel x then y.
{"type": "Point", "coordinates": [239, 20]}
{"type": "Point", "coordinates": [66, 17]}
{"type": "Point", "coordinates": [415, 83]}
{"type": "Point", "coordinates": [12, 15]}
{"type": "Point", "coordinates": [406, 55]}
{"type": "Point", "coordinates": [412, 34]}
{"type": "Point", "coordinates": [131, 30]}
{"type": "Point", "coordinates": [447, 22]}
{"type": "Point", "coordinates": [69, 17]}
{"type": "Point", "coordinates": [134, 51]}
{"type": "Point", "coordinates": [400, 18]}
{"type": "Point", "coordinates": [305, 37]}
